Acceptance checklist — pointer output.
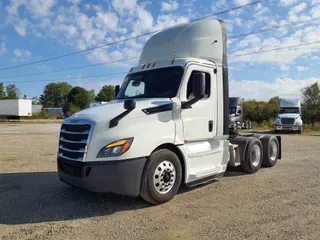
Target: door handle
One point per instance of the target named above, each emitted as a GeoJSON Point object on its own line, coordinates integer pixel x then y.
{"type": "Point", "coordinates": [210, 126]}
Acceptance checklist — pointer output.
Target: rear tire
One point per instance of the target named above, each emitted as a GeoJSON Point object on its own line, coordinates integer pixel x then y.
{"type": "Point", "coordinates": [253, 156]}
{"type": "Point", "coordinates": [161, 177]}
{"type": "Point", "coordinates": [270, 151]}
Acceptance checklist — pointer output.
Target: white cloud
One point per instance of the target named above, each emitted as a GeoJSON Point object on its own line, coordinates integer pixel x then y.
{"type": "Point", "coordinates": [74, 1]}
{"type": "Point", "coordinates": [241, 2]}
{"type": "Point", "coordinates": [302, 69]}
{"type": "Point", "coordinates": [284, 67]}
{"type": "Point", "coordinates": [288, 2]}
{"type": "Point", "coordinates": [169, 6]}
{"type": "Point", "coordinates": [124, 5]}
{"type": "Point", "coordinates": [3, 48]}
{"type": "Point", "coordinates": [218, 4]}
{"type": "Point", "coordinates": [21, 53]}
{"type": "Point", "coordinates": [261, 90]}
{"type": "Point", "coordinates": [299, 8]}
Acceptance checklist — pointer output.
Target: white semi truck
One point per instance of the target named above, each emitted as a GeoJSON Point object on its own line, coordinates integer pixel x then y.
{"type": "Point", "coordinates": [168, 126]}
{"type": "Point", "coordinates": [289, 117]}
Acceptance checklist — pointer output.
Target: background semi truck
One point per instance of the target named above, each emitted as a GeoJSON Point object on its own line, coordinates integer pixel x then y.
{"type": "Point", "coordinates": [15, 108]}
{"type": "Point", "coordinates": [236, 114]}
{"type": "Point", "coordinates": [169, 125]}
{"type": "Point", "coordinates": [289, 116]}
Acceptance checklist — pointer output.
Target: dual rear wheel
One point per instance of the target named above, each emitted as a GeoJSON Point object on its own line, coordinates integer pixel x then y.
{"type": "Point", "coordinates": [260, 152]}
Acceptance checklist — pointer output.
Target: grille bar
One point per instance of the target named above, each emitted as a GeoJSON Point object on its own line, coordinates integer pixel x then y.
{"type": "Point", "coordinates": [68, 158]}
{"type": "Point", "coordinates": [82, 150]}
{"type": "Point", "coordinates": [69, 141]}
{"type": "Point", "coordinates": [68, 132]}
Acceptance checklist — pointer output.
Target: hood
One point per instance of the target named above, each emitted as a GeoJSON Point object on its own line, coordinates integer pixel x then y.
{"type": "Point", "coordinates": [289, 115]}
{"type": "Point", "coordinates": [108, 111]}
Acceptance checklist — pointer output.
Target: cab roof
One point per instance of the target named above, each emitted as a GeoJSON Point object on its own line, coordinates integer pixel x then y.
{"type": "Point", "coordinates": [205, 39]}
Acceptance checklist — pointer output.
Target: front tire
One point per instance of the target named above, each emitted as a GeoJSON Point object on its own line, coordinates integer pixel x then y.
{"type": "Point", "coordinates": [161, 177]}
{"type": "Point", "coordinates": [253, 156]}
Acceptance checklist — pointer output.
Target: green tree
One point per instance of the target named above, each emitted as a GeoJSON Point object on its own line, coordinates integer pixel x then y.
{"type": "Point", "coordinates": [35, 100]}
{"type": "Point", "coordinates": [55, 94]}
{"type": "Point", "coordinates": [106, 94]}
{"type": "Point", "coordinates": [79, 97]}
{"type": "Point", "coordinates": [2, 92]}
{"type": "Point", "coordinates": [12, 92]}
{"type": "Point", "coordinates": [311, 102]}
{"type": "Point", "coordinates": [92, 95]}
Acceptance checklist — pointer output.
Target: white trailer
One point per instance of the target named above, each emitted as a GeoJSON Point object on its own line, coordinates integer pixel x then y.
{"type": "Point", "coordinates": [168, 126]}
{"type": "Point", "coordinates": [15, 108]}
{"type": "Point", "coordinates": [289, 116]}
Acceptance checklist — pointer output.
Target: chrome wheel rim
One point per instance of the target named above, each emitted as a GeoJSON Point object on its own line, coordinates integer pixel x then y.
{"type": "Point", "coordinates": [164, 177]}
{"type": "Point", "coordinates": [255, 155]}
{"type": "Point", "coordinates": [273, 151]}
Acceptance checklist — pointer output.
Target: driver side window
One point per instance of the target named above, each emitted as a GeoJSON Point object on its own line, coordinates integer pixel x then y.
{"type": "Point", "coordinates": [190, 85]}
{"type": "Point", "coordinates": [135, 88]}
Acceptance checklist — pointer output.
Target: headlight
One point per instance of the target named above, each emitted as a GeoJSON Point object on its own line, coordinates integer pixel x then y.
{"type": "Point", "coordinates": [115, 149]}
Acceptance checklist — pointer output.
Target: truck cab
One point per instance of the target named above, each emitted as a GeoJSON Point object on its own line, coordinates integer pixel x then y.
{"type": "Point", "coordinates": [236, 114]}
{"type": "Point", "coordinates": [167, 127]}
{"type": "Point", "coordinates": [289, 117]}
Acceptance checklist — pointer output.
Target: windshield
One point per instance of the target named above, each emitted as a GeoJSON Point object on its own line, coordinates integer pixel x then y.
{"type": "Point", "coordinates": [163, 83]}
{"type": "Point", "coordinates": [289, 110]}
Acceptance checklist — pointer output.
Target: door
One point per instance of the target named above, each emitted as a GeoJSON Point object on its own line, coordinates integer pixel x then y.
{"type": "Point", "coordinates": [205, 153]}
{"type": "Point", "coordinates": [199, 120]}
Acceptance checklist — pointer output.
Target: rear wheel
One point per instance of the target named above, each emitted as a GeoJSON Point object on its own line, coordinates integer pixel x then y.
{"type": "Point", "coordinates": [270, 151]}
{"type": "Point", "coordinates": [253, 156]}
{"type": "Point", "coordinates": [161, 177]}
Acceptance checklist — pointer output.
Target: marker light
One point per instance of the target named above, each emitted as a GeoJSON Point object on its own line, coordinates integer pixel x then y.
{"type": "Point", "coordinates": [154, 64]}
{"type": "Point", "coordinates": [173, 60]}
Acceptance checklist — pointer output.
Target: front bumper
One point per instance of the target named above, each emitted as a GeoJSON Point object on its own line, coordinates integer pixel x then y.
{"type": "Point", "coordinates": [288, 127]}
{"type": "Point", "coordinates": [120, 177]}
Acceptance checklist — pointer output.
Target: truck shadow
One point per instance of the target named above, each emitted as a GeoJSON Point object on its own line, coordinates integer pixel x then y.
{"type": "Point", "coordinates": [41, 197]}
{"type": "Point", "coordinates": [37, 197]}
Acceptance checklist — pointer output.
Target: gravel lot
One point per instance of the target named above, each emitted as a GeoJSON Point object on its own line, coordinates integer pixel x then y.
{"type": "Point", "coordinates": [278, 203]}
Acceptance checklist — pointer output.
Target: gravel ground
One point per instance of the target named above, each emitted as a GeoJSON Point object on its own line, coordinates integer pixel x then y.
{"type": "Point", "coordinates": [277, 203]}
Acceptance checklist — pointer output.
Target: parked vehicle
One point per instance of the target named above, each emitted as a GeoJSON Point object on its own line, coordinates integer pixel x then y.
{"type": "Point", "coordinates": [289, 117]}
{"type": "Point", "coordinates": [13, 109]}
{"type": "Point", "coordinates": [236, 120]}
{"type": "Point", "coordinates": [168, 126]}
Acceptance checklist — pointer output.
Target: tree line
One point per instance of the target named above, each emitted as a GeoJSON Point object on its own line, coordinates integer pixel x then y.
{"type": "Point", "coordinates": [57, 94]}
{"type": "Point", "coordinates": [60, 93]}
{"type": "Point", "coordinates": [259, 111]}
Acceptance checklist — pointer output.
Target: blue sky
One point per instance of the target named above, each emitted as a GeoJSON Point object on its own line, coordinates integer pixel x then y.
{"type": "Point", "coordinates": [32, 30]}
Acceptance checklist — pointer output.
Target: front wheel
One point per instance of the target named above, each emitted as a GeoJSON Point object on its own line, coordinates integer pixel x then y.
{"type": "Point", "coordinates": [161, 177]}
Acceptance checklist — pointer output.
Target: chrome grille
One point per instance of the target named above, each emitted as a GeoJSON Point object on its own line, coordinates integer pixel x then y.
{"type": "Point", "coordinates": [287, 121]}
{"type": "Point", "coordinates": [74, 138]}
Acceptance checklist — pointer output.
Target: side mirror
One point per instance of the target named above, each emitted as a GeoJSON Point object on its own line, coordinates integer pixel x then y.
{"type": "Point", "coordinates": [239, 111]}
{"type": "Point", "coordinates": [117, 89]}
{"type": "Point", "coordinates": [129, 104]}
{"type": "Point", "coordinates": [301, 115]}
{"type": "Point", "coordinates": [199, 85]}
